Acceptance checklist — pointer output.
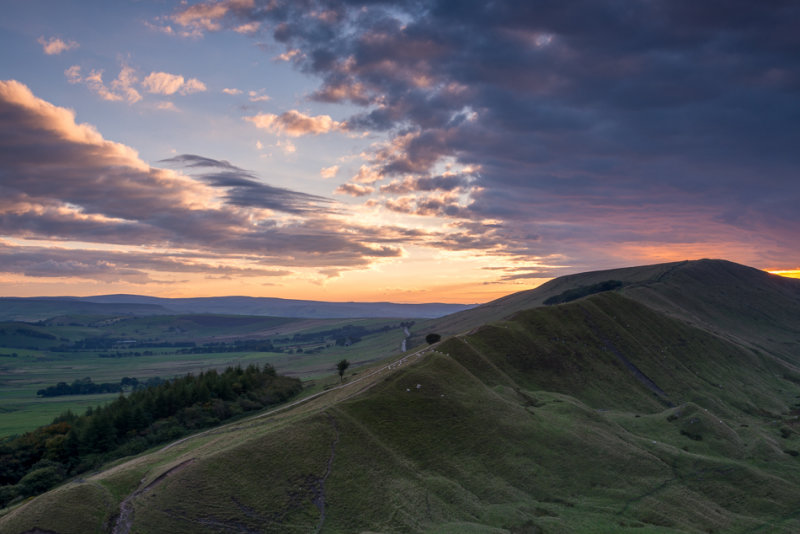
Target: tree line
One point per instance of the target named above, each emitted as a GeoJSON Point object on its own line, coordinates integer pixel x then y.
{"type": "Point", "coordinates": [82, 386]}
{"type": "Point", "coordinates": [38, 460]}
{"type": "Point", "coordinates": [85, 386]}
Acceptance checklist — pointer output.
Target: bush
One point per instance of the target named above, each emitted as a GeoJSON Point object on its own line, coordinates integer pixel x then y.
{"type": "Point", "coordinates": [7, 494]}
{"type": "Point", "coordinates": [40, 480]}
{"type": "Point", "coordinates": [583, 291]}
{"type": "Point", "coordinates": [433, 338]}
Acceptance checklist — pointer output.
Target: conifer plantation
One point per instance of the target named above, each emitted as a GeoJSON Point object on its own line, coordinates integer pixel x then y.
{"type": "Point", "coordinates": [72, 444]}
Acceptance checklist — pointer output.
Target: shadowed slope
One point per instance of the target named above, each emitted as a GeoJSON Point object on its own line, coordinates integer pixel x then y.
{"type": "Point", "coordinates": [600, 415]}
{"type": "Point", "coordinates": [738, 302]}
{"type": "Point", "coordinates": [713, 294]}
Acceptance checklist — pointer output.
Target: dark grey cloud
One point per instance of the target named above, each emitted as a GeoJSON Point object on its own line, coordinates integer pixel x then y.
{"type": "Point", "coordinates": [110, 266]}
{"type": "Point", "coordinates": [195, 161]}
{"type": "Point", "coordinates": [580, 115]}
{"type": "Point", "coordinates": [244, 188]}
{"type": "Point", "coordinates": [426, 183]}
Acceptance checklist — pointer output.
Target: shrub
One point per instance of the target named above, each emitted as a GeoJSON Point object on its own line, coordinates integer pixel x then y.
{"type": "Point", "coordinates": [433, 338]}
{"type": "Point", "coordinates": [7, 494]}
{"type": "Point", "coordinates": [583, 291]}
{"type": "Point", "coordinates": [40, 480]}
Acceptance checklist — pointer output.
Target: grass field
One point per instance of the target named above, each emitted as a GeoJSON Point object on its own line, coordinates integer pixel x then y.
{"type": "Point", "coordinates": [33, 369]}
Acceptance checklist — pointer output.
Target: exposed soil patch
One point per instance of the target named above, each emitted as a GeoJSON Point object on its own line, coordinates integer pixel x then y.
{"type": "Point", "coordinates": [319, 488]}
{"type": "Point", "coordinates": [125, 519]}
{"type": "Point", "coordinates": [640, 376]}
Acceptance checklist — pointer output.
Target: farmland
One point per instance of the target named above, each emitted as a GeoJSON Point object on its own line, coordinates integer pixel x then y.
{"type": "Point", "coordinates": [37, 355]}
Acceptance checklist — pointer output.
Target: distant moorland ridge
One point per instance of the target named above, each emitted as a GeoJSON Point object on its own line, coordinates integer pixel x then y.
{"type": "Point", "coordinates": [38, 308]}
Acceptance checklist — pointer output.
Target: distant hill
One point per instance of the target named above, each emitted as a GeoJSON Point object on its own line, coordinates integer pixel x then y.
{"type": "Point", "coordinates": [668, 403]}
{"type": "Point", "coordinates": [39, 308]}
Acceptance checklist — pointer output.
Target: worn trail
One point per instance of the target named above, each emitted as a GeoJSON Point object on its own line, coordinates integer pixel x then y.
{"type": "Point", "coordinates": [125, 518]}
{"type": "Point", "coordinates": [319, 490]}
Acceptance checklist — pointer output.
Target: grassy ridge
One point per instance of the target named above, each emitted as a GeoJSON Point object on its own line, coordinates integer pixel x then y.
{"type": "Point", "coordinates": [533, 424]}
{"type": "Point", "coordinates": [601, 415]}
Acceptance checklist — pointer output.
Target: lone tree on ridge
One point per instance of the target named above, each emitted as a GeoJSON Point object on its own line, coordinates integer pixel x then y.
{"type": "Point", "coordinates": [342, 367]}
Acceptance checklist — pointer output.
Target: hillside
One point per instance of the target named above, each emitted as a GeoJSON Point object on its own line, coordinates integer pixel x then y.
{"type": "Point", "coordinates": [41, 308]}
{"type": "Point", "coordinates": [661, 406]}
{"type": "Point", "coordinates": [713, 294]}
{"type": "Point", "coordinates": [37, 309]}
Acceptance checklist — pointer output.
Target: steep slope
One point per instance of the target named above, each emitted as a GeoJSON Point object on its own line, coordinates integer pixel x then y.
{"type": "Point", "coordinates": [741, 303]}
{"type": "Point", "coordinates": [718, 295]}
{"type": "Point", "coordinates": [503, 307]}
{"type": "Point", "coordinates": [599, 415]}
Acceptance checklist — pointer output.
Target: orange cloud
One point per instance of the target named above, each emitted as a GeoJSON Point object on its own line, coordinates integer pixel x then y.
{"type": "Point", "coordinates": [121, 88]}
{"type": "Point", "coordinates": [288, 55]}
{"type": "Point", "coordinates": [60, 122]}
{"type": "Point", "coordinates": [207, 15]}
{"type": "Point", "coordinates": [55, 46]}
{"type": "Point", "coordinates": [164, 83]}
{"type": "Point", "coordinates": [81, 188]}
{"type": "Point", "coordinates": [258, 96]}
{"type": "Point", "coordinates": [329, 172]}
{"type": "Point", "coordinates": [249, 27]}
{"type": "Point", "coordinates": [354, 190]}
{"type": "Point", "coordinates": [295, 124]}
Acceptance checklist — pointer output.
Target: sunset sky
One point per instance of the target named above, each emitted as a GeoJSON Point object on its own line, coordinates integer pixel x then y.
{"type": "Point", "coordinates": [449, 151]}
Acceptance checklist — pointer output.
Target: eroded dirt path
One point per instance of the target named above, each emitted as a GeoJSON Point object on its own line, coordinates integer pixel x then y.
{"type": "Point", "coordinates": [125, 519]}
{"type": "Point", "coordinates": [319, 489]}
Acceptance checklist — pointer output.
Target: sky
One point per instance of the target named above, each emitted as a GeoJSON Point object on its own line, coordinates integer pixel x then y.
{"type": "Point", "coordinates": [409, 151]}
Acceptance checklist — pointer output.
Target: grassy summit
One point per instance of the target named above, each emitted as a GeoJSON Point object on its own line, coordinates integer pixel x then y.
{"type": "Point", "coordinates": [668, 404]}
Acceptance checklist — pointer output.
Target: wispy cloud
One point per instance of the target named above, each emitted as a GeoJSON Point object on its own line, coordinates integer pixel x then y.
{"type": "Point", "coordinates": [54, 46]}
{"type": "Point", "coordinates": [121, 89]}
{"type": "Point", "coordinates": [164, 83]}
{"type": "Point", "coordinates": [258, 96]}
{"type": "Point", "coordinates": [243, 188]}
{"type": "Point", "coordinates": [248, 27]}
{"type": "Point", "coordinates": [329, 172]}
{"type": "Point", "coordinates": [295, 123]}
{"type": "Point", "coordinates": [82, 188]}
{"type": "Point", "coordinates": [167, 106]}
{"type": "Point", "coordinates": [289, 55]}
{"type": "Point", "coordinates": [208, 16]}
{"type": "Point", "coordinates": [113, 266]}
{"type": "Point", "coordinates": [354, 190]}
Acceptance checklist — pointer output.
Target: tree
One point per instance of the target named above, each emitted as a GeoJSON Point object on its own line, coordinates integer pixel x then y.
{"type": "Point", "coordinates": [342, 367]}
{"type": "Point", "coordinates": [40, 480]}
{"type": "Point", "coordinates": [433, 338]}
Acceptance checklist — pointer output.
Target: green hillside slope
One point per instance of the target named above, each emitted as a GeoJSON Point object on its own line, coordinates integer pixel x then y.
{"type": "Point", "coordinates": [719, 295]}
{"type": "Point", "coordinates": [598, 415]}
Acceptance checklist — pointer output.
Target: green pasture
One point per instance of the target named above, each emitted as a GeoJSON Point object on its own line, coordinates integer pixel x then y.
{"type": "Point", "coordinates": [33, 369]}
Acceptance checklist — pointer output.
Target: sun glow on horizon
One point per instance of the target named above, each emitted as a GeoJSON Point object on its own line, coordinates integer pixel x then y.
{"type": "Point", "coordinates": [787, 273]}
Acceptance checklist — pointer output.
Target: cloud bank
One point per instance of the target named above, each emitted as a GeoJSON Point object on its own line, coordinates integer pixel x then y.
{"type": "Point", "coordinates": [62, 182]}
{"type": "Point", "coordinates": [598, 131]}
